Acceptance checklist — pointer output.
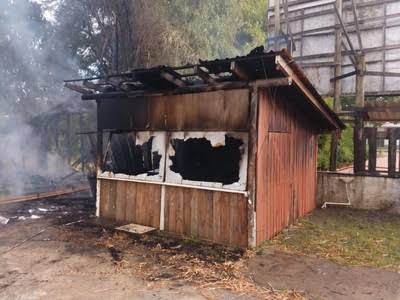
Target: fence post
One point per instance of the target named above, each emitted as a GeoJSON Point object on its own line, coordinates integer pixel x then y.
{"type": "Point", "coordinates": [359, 145]}
{"type": "Point", "coordinates": [392, 151]}
{"type": "Point", "coordinates": [372, 143]}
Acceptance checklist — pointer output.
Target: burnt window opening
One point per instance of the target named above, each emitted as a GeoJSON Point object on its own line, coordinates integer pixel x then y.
{"type": "Point", "coordinates": [125, 156]}
{"type": "Point", "coordinates": [196, 159]}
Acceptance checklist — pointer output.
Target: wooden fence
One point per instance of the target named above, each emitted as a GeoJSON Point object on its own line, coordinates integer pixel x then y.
{"type": "Point", "coordinates": [366, 150]}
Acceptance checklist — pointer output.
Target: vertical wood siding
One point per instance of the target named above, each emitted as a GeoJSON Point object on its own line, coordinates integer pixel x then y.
{"type": "Point", "coordinates": [130, 202]}
{"type": "Point", "coordinates": [207, 215]}
{"type": "Point", "coordinates": [286, 165]}
{"type": "Point", "coordinates": [219, 110]}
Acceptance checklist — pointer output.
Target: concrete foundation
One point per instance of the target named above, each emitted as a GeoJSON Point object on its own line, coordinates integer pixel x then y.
{"type": "Point", "coordinates": [364, 192]}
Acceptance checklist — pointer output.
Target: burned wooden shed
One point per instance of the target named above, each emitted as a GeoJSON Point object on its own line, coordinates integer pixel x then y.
{"type": "Point", "coordinates": [224, 150]}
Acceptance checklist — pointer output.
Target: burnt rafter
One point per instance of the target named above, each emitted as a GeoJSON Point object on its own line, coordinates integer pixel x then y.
{"type": "Point", "coordinates": [204, 75]}
{"type": "Point", "coordinates": [238, 71]}
{"type": "Point", "coordinates": [172, 77]}
{"type": "Point", "coordinates": [258, 68]}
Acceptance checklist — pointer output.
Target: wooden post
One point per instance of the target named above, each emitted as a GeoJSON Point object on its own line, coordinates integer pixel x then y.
{"type": "Point", "coordinates": [372, 143]}
{"type": "Point", "coordinates": [338, 60]}
{"type": "Point", "coordinates": [392, 151]}
{"type": "Point", "coordinates": [68, 137]}
{"type": "Point", "coordinates": [252, 169]}
{"type": "Point", "coordinates": [82, 143]}
{"type": "Point", "coordinates": [359, 145]}
{"type": "Point", "coordinates": [333, 153]}
{"type": "Point", "coordinates": [44, 147]}
{"type": "Point", "coordinates": [99, 152]}
{"type": "Point", "coordinates": [99, 159]}
{"type": "Point", "coordinates": [360, 80]}
{"type": "Point", "coordinates": [277, 15]}
{"type": "Point", "coordinates": [359, 138]}
{"type": "Point", "coordinates": [337, 87]}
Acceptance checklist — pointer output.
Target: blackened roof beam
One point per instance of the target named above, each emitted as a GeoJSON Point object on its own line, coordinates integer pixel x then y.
{"type": "Point", "coordinates": [204, 75]}
{"type": "Point", "coordinates": [172, 77]}
{"type": "Point", "coordinates": [78, 88]}
{"type": "Point", "coordinates": [238, 71]}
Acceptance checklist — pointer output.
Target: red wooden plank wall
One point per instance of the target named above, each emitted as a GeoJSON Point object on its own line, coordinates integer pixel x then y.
{"type": "Point", "coordinates": [286, 164]}
{"type": "Point", "coordinates": [130, 202]}
{"type": "Point", "coordinates": [207, 215]}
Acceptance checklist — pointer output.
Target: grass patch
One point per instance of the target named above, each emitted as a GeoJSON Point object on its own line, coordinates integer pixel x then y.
{"type": "Point", "coordinates": [346, 236]}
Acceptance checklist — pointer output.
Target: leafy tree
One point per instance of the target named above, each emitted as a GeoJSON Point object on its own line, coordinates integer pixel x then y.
{"type": "Point", "coordinates": [345, 148]}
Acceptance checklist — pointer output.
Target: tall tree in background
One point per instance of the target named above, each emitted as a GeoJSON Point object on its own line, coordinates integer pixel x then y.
{"type": "Point", "coordinates": [100, 37]}
{"type": "Point", "coordinates": [113, 36]}
{"type": "Point", "coordinates": [21, 57]}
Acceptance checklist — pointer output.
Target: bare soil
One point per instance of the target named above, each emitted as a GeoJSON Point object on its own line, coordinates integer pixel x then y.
{"type": "Point", "coordinates": [50, 258]}
{"type": "Point", "coordinates": [66, 253]}
{"type": "Point", "coordinates": [323, 279]}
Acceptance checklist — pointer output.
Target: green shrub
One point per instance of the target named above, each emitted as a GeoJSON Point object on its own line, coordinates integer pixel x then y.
{"type": "Point", "coordinates": [345, 154]}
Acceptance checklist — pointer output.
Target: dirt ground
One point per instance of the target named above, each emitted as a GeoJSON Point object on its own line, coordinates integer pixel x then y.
{"type": "Point", "coordinates": [323, 279]}
{"type": "Point", "coordinates": [63, 252]}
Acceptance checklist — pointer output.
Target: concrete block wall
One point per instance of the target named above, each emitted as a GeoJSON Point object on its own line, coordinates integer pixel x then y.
{"type": "Point", "coordinates": [364, 192]}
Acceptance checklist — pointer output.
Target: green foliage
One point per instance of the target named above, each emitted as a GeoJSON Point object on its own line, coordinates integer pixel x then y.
{"type": "Point", "coordinates": [217, 29]}
{"type": "Point", "coordinates": [345, 154]}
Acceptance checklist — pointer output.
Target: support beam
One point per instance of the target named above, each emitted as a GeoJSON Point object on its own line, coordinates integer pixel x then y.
{"type": "Point", "coordinates": [78, 88]}
{"type": "Point", "coordinates": [238, 71]}
{"type": "Point", "coordinates": [277, 18]}
{"type": "Point", "coordinates": [82, 143]}
{"type": "Point", "coordinates": [274, 82]}
{"type": "Point", "coordinates": [333, 152]}
{"type": "Point", "coordinates": [68, 137]}
{"type": "Point", "coordinates": [187, 89]}
{"type": "Point", "coordinates": [372, 149]}
{"type": "Point", "coordinates": [285, 68]}
{"type": "Point", "coordinates": [252, 169]}
{"type": "Point", "coordinates": [90, 85]}
{"type": "Point", "coordinates": [354, 8]}
{"type": "Point", "coordinates": [392, 151]}
{"type": "Point", "coordinates": [99, 146]}
{"type": "Point", "coordinates": [338, 14]}
{"type": "Point", "coordinates": [338, 78]}
{"type": "Point", "coordinates": [360, 80]}
{"type": "Point", "coordinates": [359, 146]}
{"type": "Point", "coordinates": [204, 75]}
{"type": "Point", "coordinates": [338, 62]}
{"type": "Point", "coordinates": [288, 27]}
{"type": "Point", "coordinates": [172, 78]}
{"type": "Point", "coordinates": [385, 74]}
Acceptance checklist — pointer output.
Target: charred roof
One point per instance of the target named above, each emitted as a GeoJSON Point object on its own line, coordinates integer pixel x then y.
{"type": "Point", "coordinates": [208, 75]}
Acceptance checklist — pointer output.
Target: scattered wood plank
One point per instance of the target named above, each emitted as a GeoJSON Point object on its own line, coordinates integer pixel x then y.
{"type": "Point", "coordinates": [39, 196]}
{"type": "Point", "coordinates": [135, 228]}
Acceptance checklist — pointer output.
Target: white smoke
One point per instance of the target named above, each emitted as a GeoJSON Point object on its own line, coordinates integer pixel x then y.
{"type": "Point", "coordinates": [22, 158]}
